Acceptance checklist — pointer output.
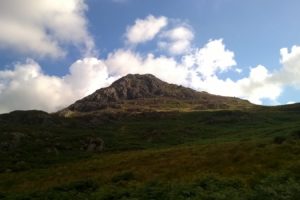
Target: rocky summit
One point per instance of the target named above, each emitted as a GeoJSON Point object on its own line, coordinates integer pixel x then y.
{"type": "Point", "coordinates": [140, 93]}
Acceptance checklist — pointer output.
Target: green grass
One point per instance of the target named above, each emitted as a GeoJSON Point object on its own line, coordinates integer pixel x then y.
{"type": "Point", "coordinates": [192, 155]}
{"type": "Point", "coordinates": [216, 167]}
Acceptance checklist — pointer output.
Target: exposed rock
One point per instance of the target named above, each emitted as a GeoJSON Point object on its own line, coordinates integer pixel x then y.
{"type": "Point", "coordinates": [52, 150]}
{"type": "Point", "coordinates": [14, 140]}
{"type": "Point", "coordinates": [93, 145]}
{"type": "Point", "coordinates": [140, 90]}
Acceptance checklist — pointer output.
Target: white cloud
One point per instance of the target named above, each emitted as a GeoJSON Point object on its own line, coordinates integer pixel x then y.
{"type": "Point", "coordinates": [290, 102]}
{"type": "Point", "coordinates": [87, 75]}
{"type": "Point", "coordinates": [199, 70]}
{"type": "Point", "coordinates": [28, 87]}
{"type": "Point", "coordinates": [212, 58]}
{"type": "Point", "coordinates": [255, 87]}
{"type": "Point", "coordinates": [123, 62]}
{"type": "Point", "coordinates": [290, 72]}
{"type": "Point", "coordinates": [146, 29]}
{"type": "Point", "coordinates": [239, 70]}
{"type": "Point", "coordinates": [178, 40]}
{"type": "Point", "coordinates": [259, 74]}
{"type": "Point", "coordinates": [259, 85]}
{"type": "Point", "coordinates": [43, 28]}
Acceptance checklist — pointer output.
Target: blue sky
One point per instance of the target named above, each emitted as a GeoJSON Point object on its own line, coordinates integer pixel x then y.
{"type": "Point", "coordinates": [55, 52]}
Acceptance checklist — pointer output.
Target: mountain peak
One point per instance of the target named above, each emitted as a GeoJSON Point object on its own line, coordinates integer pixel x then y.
{"type": "Point", "coordinates": [134, 86]}
{"type": "Point", "coordinates": [140, 92]}
{"type": "Point", "coordinates": [137, 76]}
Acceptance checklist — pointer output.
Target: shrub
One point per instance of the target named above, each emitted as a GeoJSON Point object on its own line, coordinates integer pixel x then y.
{"type": "Point", "coordinates": [278, 187]}
{"type": "Point", "coordinates": [85, 186]}
{"type": "Point", "coordinates": [296, 134]}
{"type": "Point", "coordinates": [154, 190]}
{"type": "Point", "coordinates": [125, 176]}
{"type": "Point", "coordinates": [279, 139]}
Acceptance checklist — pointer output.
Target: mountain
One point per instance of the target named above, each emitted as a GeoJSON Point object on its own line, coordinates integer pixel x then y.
{"type": "Point", "coordinates": [226, 148]}
{"type": "Point", "coordinates": [146, 93]}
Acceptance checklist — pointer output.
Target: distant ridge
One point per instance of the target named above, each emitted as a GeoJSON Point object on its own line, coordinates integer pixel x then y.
{"type": "Point", "coordinates": [140, 93]}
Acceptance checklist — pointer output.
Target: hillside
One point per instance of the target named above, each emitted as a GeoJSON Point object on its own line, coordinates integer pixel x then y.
{"type": "Point", "coordinates": [191, 155]}
{"type": "Point", "coordinates": [231, 150]}
{"type": "Point", "coordinates": [146, 93]}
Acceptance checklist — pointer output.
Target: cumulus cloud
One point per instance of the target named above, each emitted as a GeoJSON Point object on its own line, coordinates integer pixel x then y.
{"type": "Point", "coordinates": [178, 40]}
{"type": "Point", "coordinates": [199, 70]}
{"type": "Point", "coordinates": [290, 102]}
{"type": "Point", "coordinates": [43, 28]}
{"type": "Point", "coordinates": [123, 62]}
{"type": "Point", "coordinates": [290, 72]}
{"type": "Point", "coordinates": [175, 41]}
{"type": "Point", "coordinates": [259, 85]}
{"type": "Point", "coordinates": [87, 75]}
{"type": "Point", "coordinates": [212, 58]}
{"type": "Point", "coordinates": [146, 29]}
{"type": "Point", "coordinates": [255, 87]}
{"type": "Point", "coordinates": [28, 87]}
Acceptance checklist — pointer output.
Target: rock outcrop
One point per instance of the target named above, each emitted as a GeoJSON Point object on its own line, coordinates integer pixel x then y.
{"type": "Point", "coordinates": [147, 91]}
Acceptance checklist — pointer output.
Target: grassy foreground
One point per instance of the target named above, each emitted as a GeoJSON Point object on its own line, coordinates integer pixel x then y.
{"type": "Point", "coordinates": [198, 155]}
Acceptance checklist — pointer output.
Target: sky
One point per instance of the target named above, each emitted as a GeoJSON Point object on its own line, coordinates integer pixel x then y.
{"type": "Point", "coordinates": [55, 52]}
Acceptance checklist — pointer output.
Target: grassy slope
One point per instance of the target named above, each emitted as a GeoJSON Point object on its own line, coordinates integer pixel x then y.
{"type": "Point", "coordinates": [199, 155]}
